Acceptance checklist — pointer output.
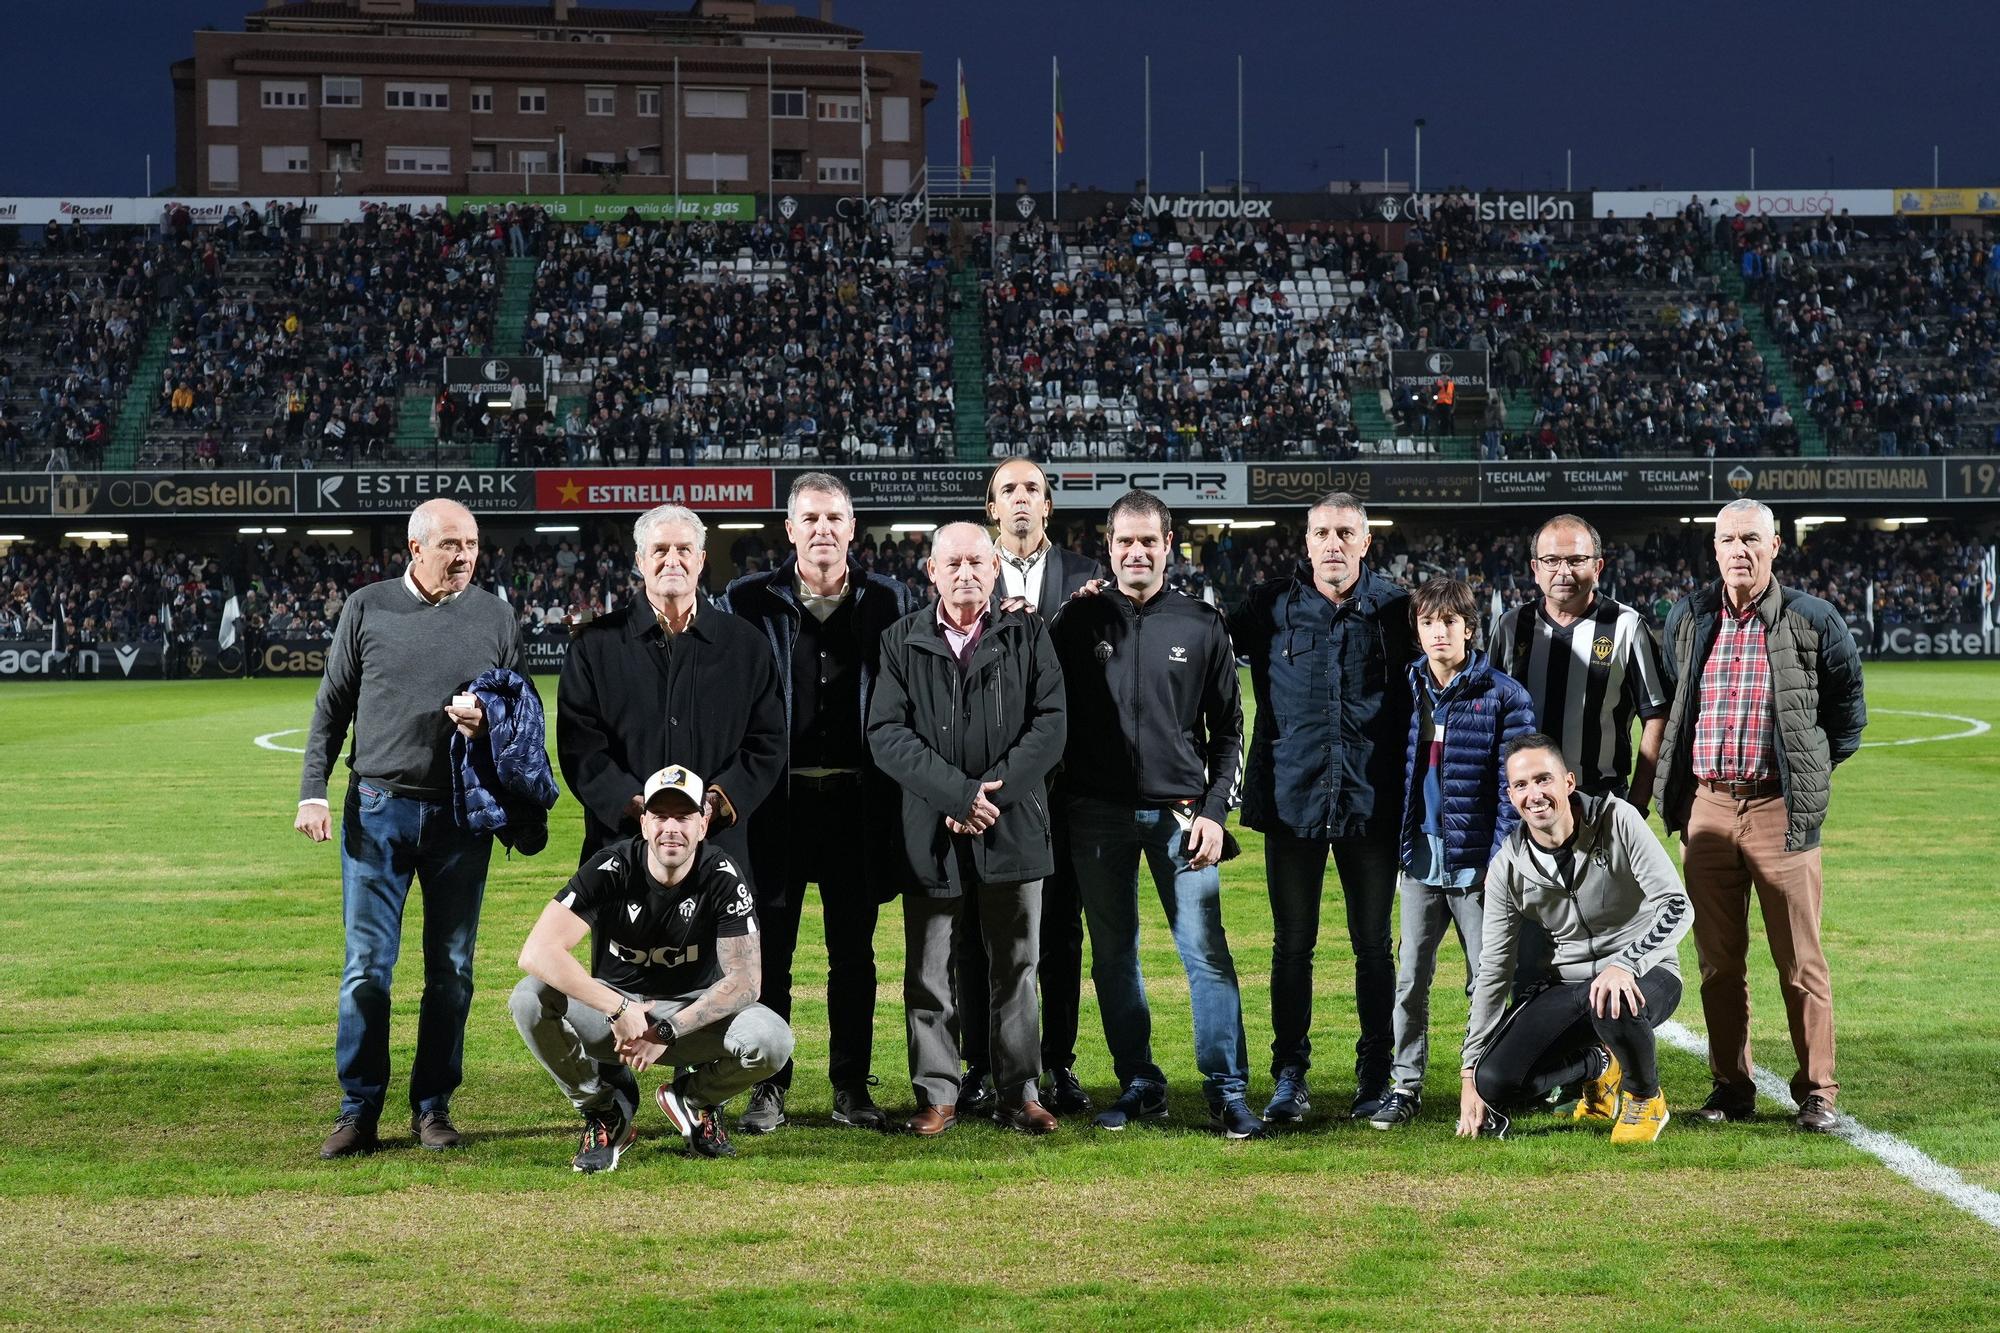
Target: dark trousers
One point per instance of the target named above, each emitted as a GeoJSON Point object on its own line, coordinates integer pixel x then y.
{"type": "Point", "coordinates": [811, 838]}
{"type": "Point", "coordinates": [1296, 870]}
{"type": "Point", "coordinates": [1543, 1043]}
{"type": "Point", "coordinates": [1060, 969]}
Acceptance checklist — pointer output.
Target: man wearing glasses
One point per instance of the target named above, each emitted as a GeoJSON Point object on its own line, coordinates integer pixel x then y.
{"type": "Point", "coordinates": [1590, 665]}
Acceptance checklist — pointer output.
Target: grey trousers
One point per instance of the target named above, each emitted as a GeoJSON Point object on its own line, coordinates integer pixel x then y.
{"type": "Point", "coordinates": [1010, 922]}
{"type": "Point", "coordinates": [573, 1042]}
{"type": "Point", "coordinates": [1427, 913]}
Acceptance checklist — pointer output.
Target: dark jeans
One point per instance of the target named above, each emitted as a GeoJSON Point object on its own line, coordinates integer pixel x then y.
{"type": "Point", "coordinates": [1542, 1044]}
{"type": "Point", "coordinates": [385, 842]}
{"type": "Point", "coordinates": [1060, 970]}
{"type": "Point", "coordinates": [1296, 870]}
{"type": "Point", "coordinates": [811, 837]}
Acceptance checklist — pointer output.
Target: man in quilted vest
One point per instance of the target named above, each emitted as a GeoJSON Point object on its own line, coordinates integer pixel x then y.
{"type": "Point", "coordinates": [1767, 700]}
{"type": "Point", "coordinates": [1455, 814]}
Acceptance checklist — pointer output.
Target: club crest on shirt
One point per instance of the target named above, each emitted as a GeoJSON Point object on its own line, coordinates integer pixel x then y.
{"type": "Point", "coordinates": [687, 909]}
{"type": "Point", "coordinates": [1601, 648]}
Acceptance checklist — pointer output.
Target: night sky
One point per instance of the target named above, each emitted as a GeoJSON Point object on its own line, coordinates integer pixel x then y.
{"type": "Point", "coordinates": [1838, 92]}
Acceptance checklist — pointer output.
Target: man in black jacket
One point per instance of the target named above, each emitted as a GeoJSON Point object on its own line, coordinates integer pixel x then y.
{"type": "Point", "coordinates": [831, 821]}
{"type": "Point", "coordinates": [1155, 745]}
{"type": "Point", "coordinates": [669, 681]}
{"type": "Point", "coordinates": [968, 720]}
{"type": "Point", "coordinates": [1038, 576]}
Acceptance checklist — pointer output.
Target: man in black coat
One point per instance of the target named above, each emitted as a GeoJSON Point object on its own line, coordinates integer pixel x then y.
{"type": "Point", "coordinates": [1038, 576]}
{"type": "Point", "coordinates": [831, 821]}
{"type": "Point", "coordinates": [666, 681]}
{"type": "Point", "coordinates": [968, 720]}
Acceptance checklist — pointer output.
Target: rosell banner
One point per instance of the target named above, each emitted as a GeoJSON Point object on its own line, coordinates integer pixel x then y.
{"type": "Point", "coordinates": [1981, 200]}
{"type": "Point", "coordinates": [203, 211]}
{"type": "Point", "coordinates": [574, 490]}
{"type": "Point", "coordinates": [1739, 202]}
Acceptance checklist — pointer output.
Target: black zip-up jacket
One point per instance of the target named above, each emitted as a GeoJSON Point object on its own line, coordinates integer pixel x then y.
{"type": "Point", "coordinates": [1155, 713]}
{"type": "Point", "coordinates": [939, 731]}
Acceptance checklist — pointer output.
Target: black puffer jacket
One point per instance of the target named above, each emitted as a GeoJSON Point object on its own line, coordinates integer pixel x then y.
{"type": "Point", "coordinates": [1815, 687]}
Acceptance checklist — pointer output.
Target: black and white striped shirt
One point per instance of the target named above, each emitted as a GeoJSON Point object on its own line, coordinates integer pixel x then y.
{"type": "Point", "coordinates": [1588, 680]}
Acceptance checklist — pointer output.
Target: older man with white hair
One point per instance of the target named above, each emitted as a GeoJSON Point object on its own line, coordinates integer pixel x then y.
{"type": "Point", "coordinates": [396, 672]}
{"type": "Point", "coordinates": [666, 680]}
{"type": "Point", "coordinates": [968, 719]}
{"type": "Point", "coordinates": [1767, 701]}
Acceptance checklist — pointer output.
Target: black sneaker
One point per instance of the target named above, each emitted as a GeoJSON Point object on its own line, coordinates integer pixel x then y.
{"type": "Point", "coordinates": [1368, 1099]}
{"type": "Point", "coordinates": [607, 1132]}
{"type": "Point", "coordinates": [699, 1125]}
{"type": "Point", "coordinates": [1140, 1101]}
{"type": "Point", "coordinates": [1397, 1109]}
{"type": "Point", "coordinates": [855, 1106]}
{"type": "Point", "coordinates": [352, 1136]}
{"type": "Point", "coordinates": [1233, 1120]}
{"type": "Point", "coordinates": [975, 1092]}
{"type": "Point", "coordinates": [1289, 1102]}
{"type": "Point", "coordinates": [435, 1131]}
{"type": "Point", "coordinates": [766, 1110]}
{"type": "Point", "coordinates": [1066, 1095]}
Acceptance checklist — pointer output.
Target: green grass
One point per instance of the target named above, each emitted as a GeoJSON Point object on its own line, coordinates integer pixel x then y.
{"type": "Point", "coordinates": [168, 955]}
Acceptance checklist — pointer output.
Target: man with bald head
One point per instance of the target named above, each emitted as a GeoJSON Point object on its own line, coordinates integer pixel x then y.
{"type": "Point", "coordinates": [968, 720]}
{"type": "Point", "coordinates": [397, 672]}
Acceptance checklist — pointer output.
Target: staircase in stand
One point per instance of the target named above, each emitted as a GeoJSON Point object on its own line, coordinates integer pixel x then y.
{"type": "Point", "coordinates": [968, 364]}
{"type": "Point", "coordinates": [135, 413]}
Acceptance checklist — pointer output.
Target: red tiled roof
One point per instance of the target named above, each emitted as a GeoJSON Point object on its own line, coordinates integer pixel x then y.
{"type": "Point", "coordinates": [538, 15]}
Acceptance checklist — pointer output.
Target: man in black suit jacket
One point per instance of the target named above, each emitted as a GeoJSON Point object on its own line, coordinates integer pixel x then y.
{"type": "Point", "coordinates": [669, 679]}
{"type": "Point", "coordinates": [1040, 576]}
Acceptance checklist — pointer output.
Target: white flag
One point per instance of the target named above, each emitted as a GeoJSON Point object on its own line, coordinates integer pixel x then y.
{"type": "Point", "coordinates": [231, 613]}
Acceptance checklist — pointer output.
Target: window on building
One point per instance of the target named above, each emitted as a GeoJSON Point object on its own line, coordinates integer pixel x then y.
{"type": "Point", "coordinates": [832, 107]}
{"type": "Point", "coordinates": [417, 161]}
{"type": "Point", "coordinates": [278, 160]}
{"type": "Point", "coordinates": [840, 171]}
{"type": "Point", "coordinates": [531, 159]}
{"type": "Point", "coordinates": [482, 97]}
{"type": "Point", "coordinates": [534, 101]}
{"type": "Point", "coordinates": [788, 164]}
{"type": "Point", "coordinates": [649, 101]}
{"type": "Point", "coordinates": [895, 120]}
{"type": "Point", "coordinates": [484, 157]}
{"type": "Point", "coordinates": [600, 99]}
{"type": "Point", "coordinates": [283, 94]}
{"type": "Point", "coordinates": [895, 175]}
{"type": "Point", "coordinates": [222, 102]}
{"type": "Point", "coordinates": [344, 155]}
{"type": "Point", "coordinates": [417, 97]}
{"type": "Point", "coordinates": [788, 104]}
{"type": "Point", "coordinates": [221, 164]}
{"type": "Point", "coordinates": [717, 104]}
{"type": "Point", "coordinates": [339, 90]}
{"type": "Point", "coordinates": [717, 167]}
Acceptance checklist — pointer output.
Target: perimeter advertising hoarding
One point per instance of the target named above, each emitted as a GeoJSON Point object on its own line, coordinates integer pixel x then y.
{"type": "Point", "coordinates": [576, 490]}
{"type": "Point", "coordinates": [1176, 483]}
{"type": "Point", "coordinates": [1739, 202]}
{"type": "Point", "coordinates": [482, 490]}
{"type": "Point", "coordinates": [1594, 483]}
{"type": "Point", "coordinates": [25, 494]}
{"type": "Point", "coordinates": [923, 487]}
{"type": "Point", "coordinates": [1831, 479]}
{"type": "Point", "coordinates": [1420, 370]}
{"type": "Point", "coordinates": [78, 494]}
{"type": "Point", "coordinates": [1300, 484]}
{"type": "Point", "coordinates": [612, 207]}
{"type": "Point", "coordinates": [1977, 200]}
{"type": "Point", "coordinates": [1927, 640]}
{"type": "Point", "coordinates": [490, 378]}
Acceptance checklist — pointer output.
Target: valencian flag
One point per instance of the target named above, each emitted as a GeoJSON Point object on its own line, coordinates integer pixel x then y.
{"type": "Point", "coordinates": [1062, 140]}
{"type": "Point", "coordinates": [964, 128]}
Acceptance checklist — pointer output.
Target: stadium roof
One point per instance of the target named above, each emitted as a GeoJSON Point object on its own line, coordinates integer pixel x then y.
{"type": "Point", "coordinates": [545, 16]}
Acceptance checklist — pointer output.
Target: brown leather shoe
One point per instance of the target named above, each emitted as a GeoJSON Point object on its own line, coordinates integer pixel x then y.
{"type": "Point", "coordinates": [1028, 1117]}
{"type": "Point", "coordinates": [352, 1136]}
{"type": "Point", "coordinates": [1815, 1115]}
{"type": "Point", "coordinates": [1726, 1104]}
{"type": "Point", "coordinates": [933, 1121]}
{"type": "Point", "coordinates": [435, 1131]}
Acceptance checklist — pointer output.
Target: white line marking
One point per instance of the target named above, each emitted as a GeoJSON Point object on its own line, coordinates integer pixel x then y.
{"type": "Point", "coordinates": [1974, 727]}
{"type": "Point", "coordinates": [1900, 1156]}
{"type": "Point", "coordinates": [268, 737]}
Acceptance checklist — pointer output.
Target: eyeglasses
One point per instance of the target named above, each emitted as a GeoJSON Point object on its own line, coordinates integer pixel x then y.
{"type": "Point", "coordinates": [1572, 562]}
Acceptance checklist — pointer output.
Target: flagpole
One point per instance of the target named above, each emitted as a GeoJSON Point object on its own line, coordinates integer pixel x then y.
{"type": "Point", "coordinates": [770, 139]}
{"type": "Point", "coordinates": [864, 127]}
{"type": "Point", "coordinates": [1239, 135]}
{"type": "Point", "coordinates": [1055, 168]}
{"type": "Point", "coordinates": [1148, 176]}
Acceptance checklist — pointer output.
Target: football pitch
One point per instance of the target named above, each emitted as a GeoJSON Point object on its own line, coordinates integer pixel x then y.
{"type": "Point", "coordinates": [169, 950]}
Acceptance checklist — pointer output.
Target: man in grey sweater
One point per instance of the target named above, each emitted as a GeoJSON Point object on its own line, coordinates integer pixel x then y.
{"type": "Point", "coordinates": [1589, 871]}
{"type": "Point", "coordinates": [402, 656]}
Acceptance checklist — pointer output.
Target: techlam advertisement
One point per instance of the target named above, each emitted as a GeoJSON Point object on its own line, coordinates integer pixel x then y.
{"type": "Point", "coordinates": [1739, 202]}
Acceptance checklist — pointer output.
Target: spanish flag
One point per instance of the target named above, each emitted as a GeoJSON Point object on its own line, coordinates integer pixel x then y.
{"type": "Point", "coordinates": [1062, 141]}
{"type": "Point", "coordinates": [964, 128]}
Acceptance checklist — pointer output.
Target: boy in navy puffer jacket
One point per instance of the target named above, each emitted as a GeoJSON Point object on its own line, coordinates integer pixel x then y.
{"type": "Point", "coordinates": [1455, 813]}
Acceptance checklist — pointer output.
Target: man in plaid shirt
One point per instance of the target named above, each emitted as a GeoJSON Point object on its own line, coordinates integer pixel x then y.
{"type": "Point", "coordinates": [1766, 701]}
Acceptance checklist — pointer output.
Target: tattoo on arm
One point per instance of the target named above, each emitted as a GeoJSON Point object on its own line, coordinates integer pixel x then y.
{"type": "Point", "coordinates": [733, 992]}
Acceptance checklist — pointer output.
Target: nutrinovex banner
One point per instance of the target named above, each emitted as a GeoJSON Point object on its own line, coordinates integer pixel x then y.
{"type": "Point", "coordinates": [611, 207]}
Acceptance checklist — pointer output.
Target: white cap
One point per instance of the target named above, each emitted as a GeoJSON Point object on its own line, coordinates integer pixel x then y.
{"type": "Point", "coordinates": [674, 778]}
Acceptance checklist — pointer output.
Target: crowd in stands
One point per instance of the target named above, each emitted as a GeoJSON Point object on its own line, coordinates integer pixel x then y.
{"type": "Point", "coordinates": [706, 340]}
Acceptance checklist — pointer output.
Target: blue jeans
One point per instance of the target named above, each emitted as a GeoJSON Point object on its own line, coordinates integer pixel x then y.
{"type": "Point", "coordinates": [1296, 870]}
{"type": "Point", "coordinates": [385, 840]}
{"type": "Point", "coordinates": [1106, 840]}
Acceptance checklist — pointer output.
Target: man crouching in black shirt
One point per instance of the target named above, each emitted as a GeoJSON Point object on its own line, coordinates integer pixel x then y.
{"type": "Point", "coordinates": [673, 979]}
